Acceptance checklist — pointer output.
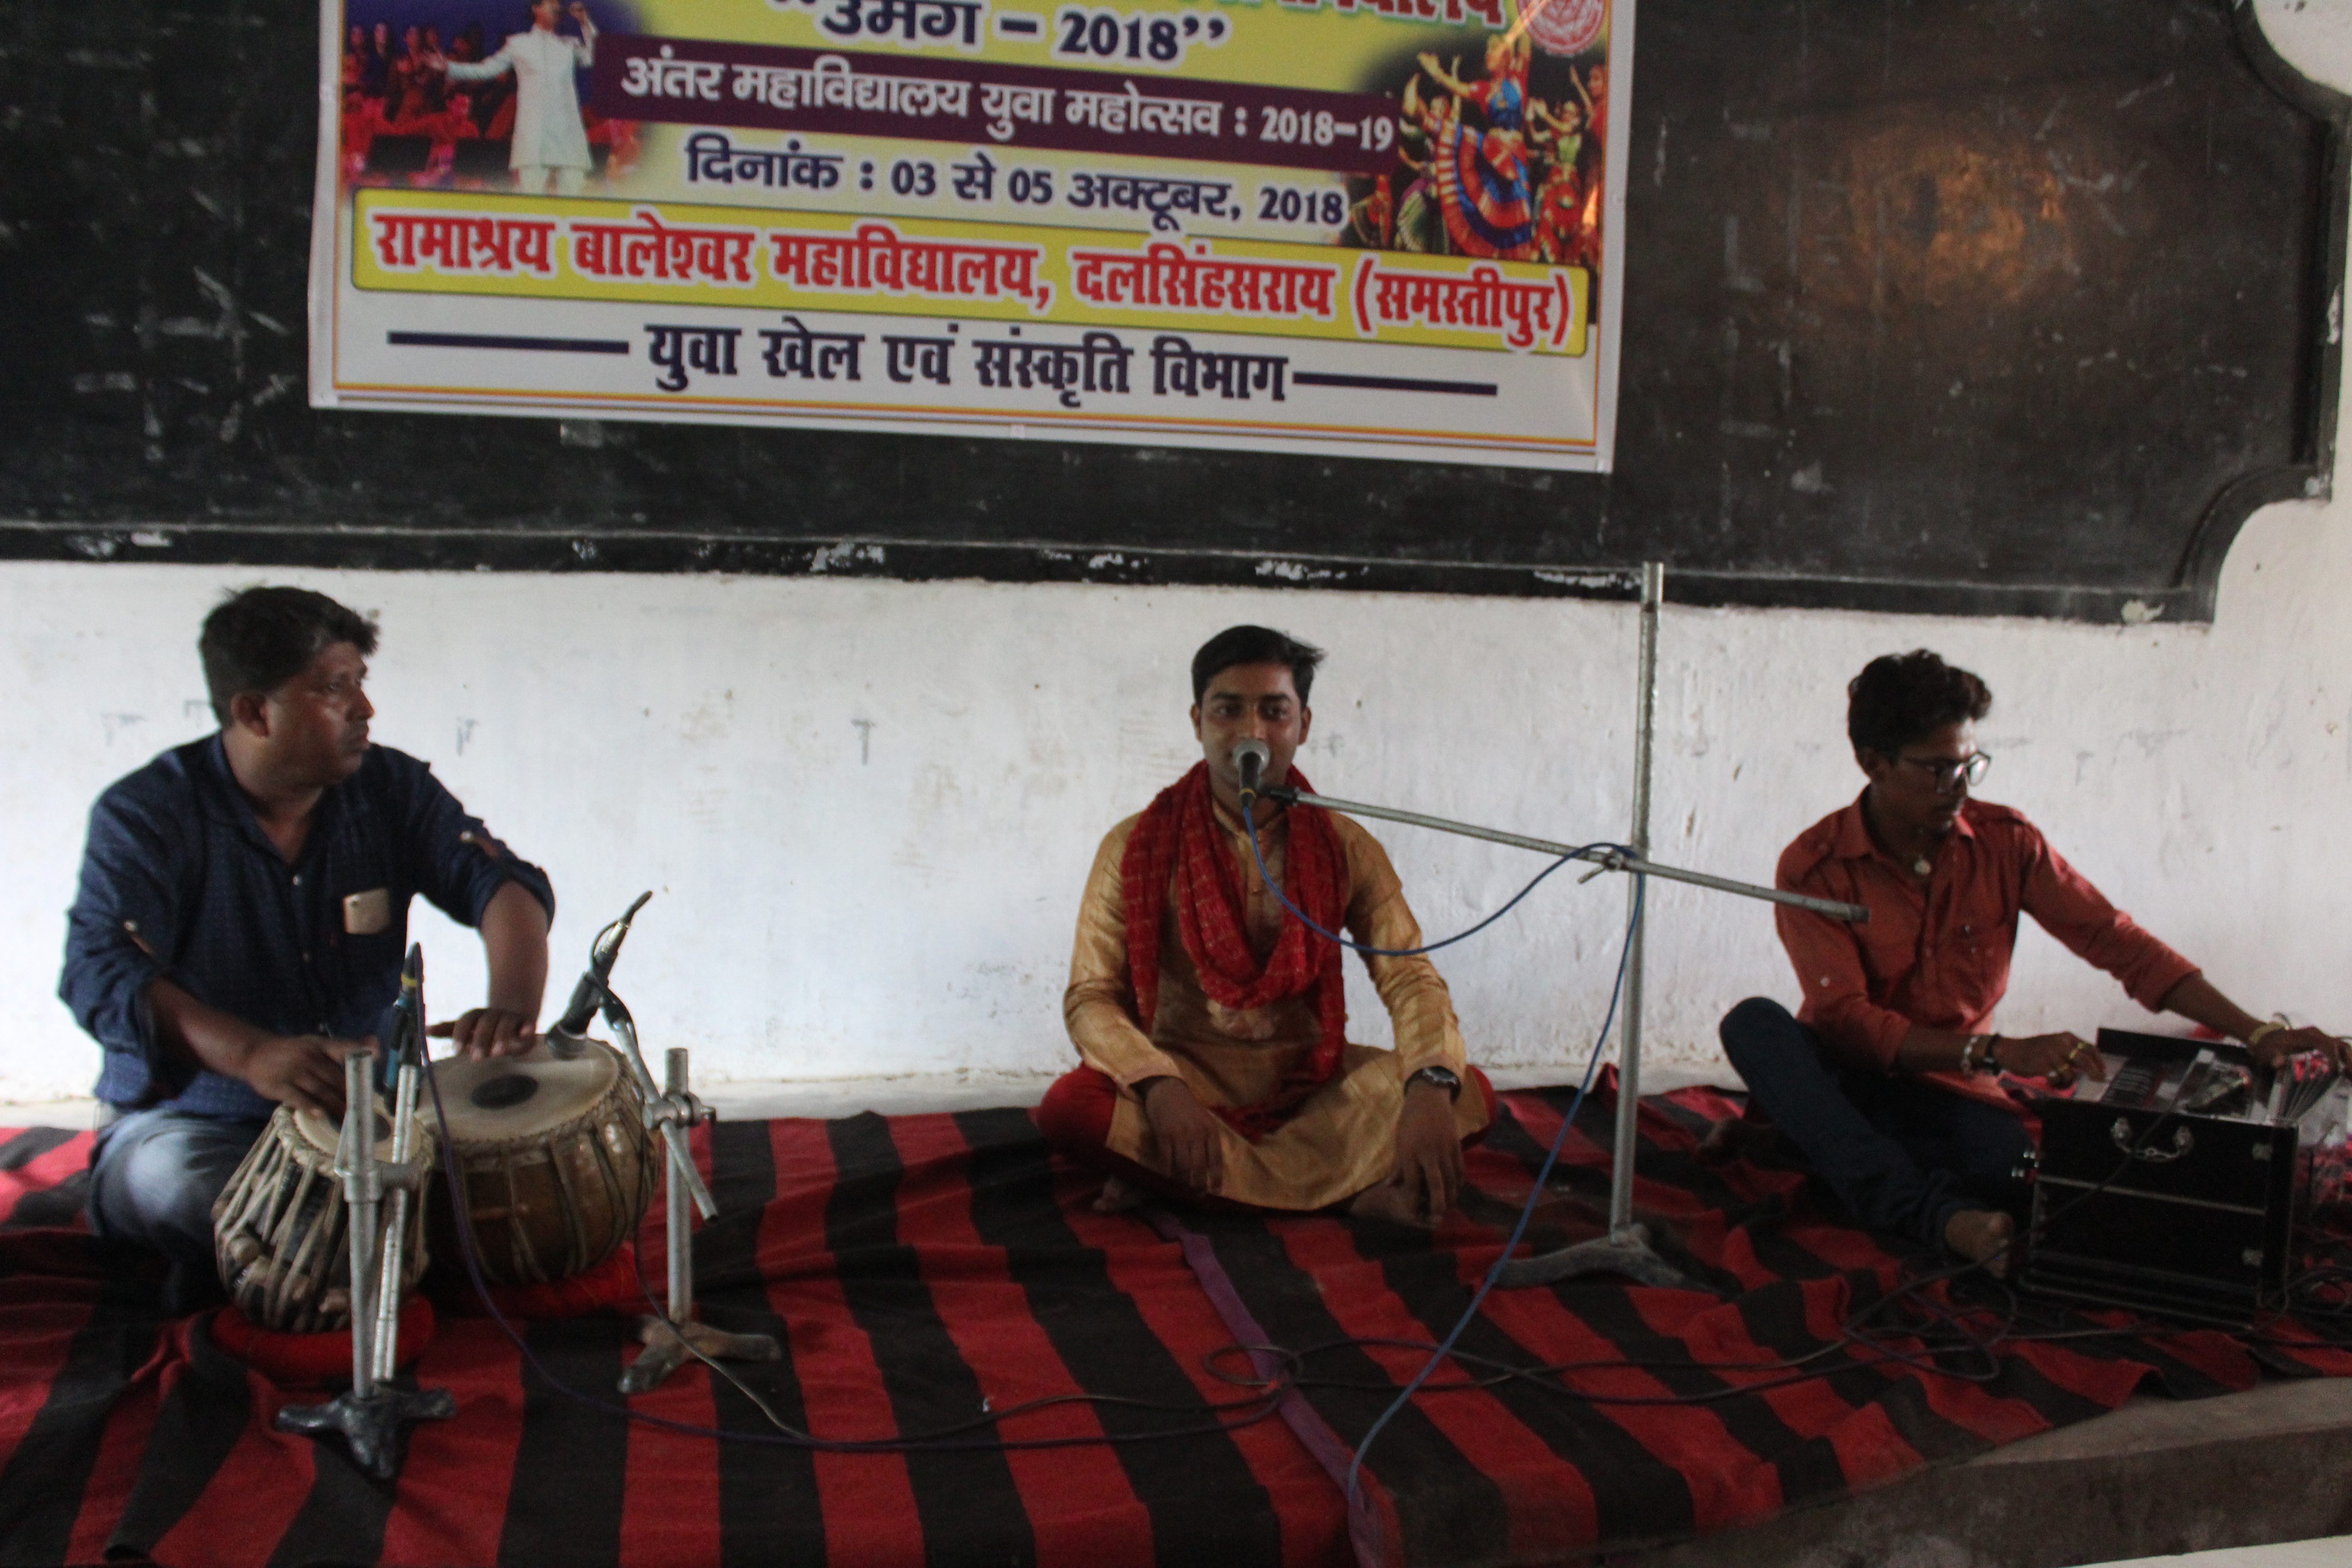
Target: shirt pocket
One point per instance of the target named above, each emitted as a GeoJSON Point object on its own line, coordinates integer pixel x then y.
{"type": "Point", "coordinates": [1976, 973]}
{"type": "Point", "coordinates": [366, 923]}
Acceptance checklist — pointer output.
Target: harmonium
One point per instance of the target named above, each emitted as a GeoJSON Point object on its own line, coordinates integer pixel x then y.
{"type": "Point", "coordinates": [2176, 1186]}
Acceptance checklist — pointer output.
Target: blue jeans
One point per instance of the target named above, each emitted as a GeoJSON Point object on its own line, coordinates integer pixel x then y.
{"type": "Point", "coordinates": [1902, 1155]}
{"type": "Point", "coordinates": [152, 1178]}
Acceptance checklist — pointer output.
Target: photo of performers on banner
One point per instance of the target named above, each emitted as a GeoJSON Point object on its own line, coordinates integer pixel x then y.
{"type": "Point", "coordinates": [1365, 227]}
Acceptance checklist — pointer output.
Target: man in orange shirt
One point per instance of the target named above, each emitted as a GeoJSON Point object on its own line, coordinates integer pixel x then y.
{"type": "Point", "coordinates": [1887, 1076]}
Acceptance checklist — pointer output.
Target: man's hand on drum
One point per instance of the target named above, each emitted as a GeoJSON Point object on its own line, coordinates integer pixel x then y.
{"type": "Point", "coordinates": [305, 1071]}
{"type": "Point", "coordinates": [488, 1032]}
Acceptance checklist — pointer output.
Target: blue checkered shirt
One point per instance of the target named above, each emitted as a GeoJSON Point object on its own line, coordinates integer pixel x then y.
{"type": "Point", "coordinates": [179, 882]}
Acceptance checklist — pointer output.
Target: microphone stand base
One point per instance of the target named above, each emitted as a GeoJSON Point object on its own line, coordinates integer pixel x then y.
{"type": "Point", "coordinates": [374, 1426]}
{"type": "Point", "coordinates": [667, 1347]}
{"type": "Point", "coordinates": [1624, 1252]}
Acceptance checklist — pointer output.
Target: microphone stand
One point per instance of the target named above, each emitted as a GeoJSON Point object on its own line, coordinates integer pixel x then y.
{"type": "Point", "coordinates": [373, 1416]}
{"type": "Point", "coordinates": [1626, 1249]}
{"type": "Point", "coordinates": [672, 1111]}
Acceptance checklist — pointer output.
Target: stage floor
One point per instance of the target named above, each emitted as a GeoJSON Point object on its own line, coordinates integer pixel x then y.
{"type": "Point", "coordinates": [929, 1271]}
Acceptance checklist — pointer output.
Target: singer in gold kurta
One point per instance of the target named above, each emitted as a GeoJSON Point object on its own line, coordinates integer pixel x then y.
{"type": "Point", "coordinates": [1342, 1139]}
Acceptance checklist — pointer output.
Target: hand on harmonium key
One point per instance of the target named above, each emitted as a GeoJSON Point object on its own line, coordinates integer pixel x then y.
{"type": "Point", "coordinates": [2059, 1058]}
{"type": "Point", "coordinates": [2272, 1047]}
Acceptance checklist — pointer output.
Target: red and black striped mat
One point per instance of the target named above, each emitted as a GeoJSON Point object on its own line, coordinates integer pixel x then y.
{"type": "Point", "coordinates": [924, 1271]}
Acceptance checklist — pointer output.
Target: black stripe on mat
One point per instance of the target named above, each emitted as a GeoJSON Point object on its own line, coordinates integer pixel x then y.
{"type": "Point", "coordinates": [572, 1464]}
{"type": "Point", "coordinates": [1446, 1511]}
{"type": "Point", "coordinates": [51, 1207]}
{"type": "Point", "coordinates": [1205, 1504]}
{"type": "Point", "coordinates": [969, 1503]}
{"type": "Point", "coordinates": [1637, 1495]}
{"type": "Point", "coordinates": [1774, 1318]}
{"type": "Point", "coordinates": [31, 1145]}
{"type": "Point", "coordinates": [41, 1488]}
{"type": "Point", "coordinates": [341, 1517]}
{"type": "Point", "coordinates": [1676, 1168]}
{"type": "Point", "coordinates": [1807, 1467]}
{"type": "Point", "coordinates": [201, 1420]}
{"type": "Point", "coordinates": [768, 1499]}
{"type": "Point", "coordinates": [1902, 1397]}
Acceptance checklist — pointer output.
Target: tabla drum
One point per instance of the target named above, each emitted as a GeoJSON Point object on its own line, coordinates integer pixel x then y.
{"type": "Point", "coordinates": [552, 1159]}
{"type": "Point", "coordinates": [281, 1229]}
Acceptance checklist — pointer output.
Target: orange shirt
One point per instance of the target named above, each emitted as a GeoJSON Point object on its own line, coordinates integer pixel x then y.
{"type": "Point", "coordinates": [1938, 955]}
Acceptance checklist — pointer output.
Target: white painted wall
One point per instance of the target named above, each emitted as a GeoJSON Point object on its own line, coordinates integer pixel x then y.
{"type": "Point", "coordinates": [867, 808]}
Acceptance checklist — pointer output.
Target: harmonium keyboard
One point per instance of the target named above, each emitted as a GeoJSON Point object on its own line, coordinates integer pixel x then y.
{"type": "Point", "coordinates": [2175, 1187]}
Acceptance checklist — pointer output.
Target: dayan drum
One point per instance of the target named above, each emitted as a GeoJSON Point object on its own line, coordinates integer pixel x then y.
{"type": "Point", "coordinates": [281, 1228]}
{"type": "Point", "coordinates": [551, 1156]}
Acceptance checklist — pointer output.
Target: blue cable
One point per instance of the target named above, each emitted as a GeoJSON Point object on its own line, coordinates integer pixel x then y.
{"type": "Point", "coordinates": [1250, 823]}
{"type": "Point", "coordinates": [1527, 1210]}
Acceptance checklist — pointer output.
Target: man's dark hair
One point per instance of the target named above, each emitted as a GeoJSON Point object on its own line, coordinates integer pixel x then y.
{"type": "Point", "coordinates": [1255, 645]}
{"type": "Point", "coordinates": [1900, 697]}
{"type": "Point", "coordinates": [258, 639]}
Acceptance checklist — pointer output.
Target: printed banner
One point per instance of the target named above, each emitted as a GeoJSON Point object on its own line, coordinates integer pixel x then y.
{"type": "Point", "coordinates": [1373, 227]}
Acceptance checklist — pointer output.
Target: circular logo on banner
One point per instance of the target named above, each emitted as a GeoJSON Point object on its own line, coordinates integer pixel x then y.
{"type": "Point", "coordinates": [1566, 26]}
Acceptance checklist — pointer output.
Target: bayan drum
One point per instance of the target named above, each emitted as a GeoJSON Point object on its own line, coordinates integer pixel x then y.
{"type": "Point", "coordinates": [552, 1159]}
{"type": "Point", "coordinates": [281, 1228]}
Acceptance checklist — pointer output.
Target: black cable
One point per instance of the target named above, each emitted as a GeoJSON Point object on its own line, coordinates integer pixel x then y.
{"type": "Point", "coordinates": [1250, 824]}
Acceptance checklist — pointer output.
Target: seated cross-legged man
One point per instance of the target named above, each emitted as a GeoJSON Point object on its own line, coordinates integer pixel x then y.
{"type": "Point", "coordinates": [243, 915]}
{"type": "Point", "coordinates": [1889, 1076]}
{"type": "Point", "coordinates": [1212, 1022]}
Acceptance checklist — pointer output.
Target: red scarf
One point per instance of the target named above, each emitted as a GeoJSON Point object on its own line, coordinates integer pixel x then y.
{"type": "Point", "coordinates": [1179, 840]}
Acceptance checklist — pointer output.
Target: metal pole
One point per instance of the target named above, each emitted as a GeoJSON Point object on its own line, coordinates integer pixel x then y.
{"type": "Point", "coordinates": [1608, 859]}
{"type": "Point", "coordinates": [363, 1195]}
{"type": "Point", "coordinates": [1629, 1050]}
{"type": "Point", "coordinates": [681, 1223]}
{"type": "Point", "coordinates": [387, 1348]}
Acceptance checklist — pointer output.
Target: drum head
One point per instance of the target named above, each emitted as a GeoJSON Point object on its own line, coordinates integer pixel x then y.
{"type": "Point", "coordinates": [323, 1133]}
{"type": "Point", "coordinates": [521, 1097]}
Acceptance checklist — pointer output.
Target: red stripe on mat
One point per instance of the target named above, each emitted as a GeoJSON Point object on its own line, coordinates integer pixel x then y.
{"type": "Point", "coordinates": [867, 1501]}
{"type": "Point", "coordinates": [1308, 1509]}
{"type": "Point", "coordinates": [257, 1491]}
{"type": "Point", "coordinates": [1078, 1500]}
{"type": "Point", "coordinates": [1726, 1483]}
{"type": "Point", "coordinates": [1550, 1506]}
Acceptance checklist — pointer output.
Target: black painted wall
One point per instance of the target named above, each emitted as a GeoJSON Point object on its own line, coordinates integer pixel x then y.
{"type": "Point", "coordinates": [1976, 306]}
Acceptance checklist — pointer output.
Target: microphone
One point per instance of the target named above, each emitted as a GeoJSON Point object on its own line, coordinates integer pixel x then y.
{"type": "Point", "coordinates": [1250, 757]}
{"type": "Point", "coordinates": [407, 1043]}
{"type": "Point", "coordinates": [588, 994]}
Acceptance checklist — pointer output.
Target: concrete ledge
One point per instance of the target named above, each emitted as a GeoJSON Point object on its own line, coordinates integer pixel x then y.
{"type": "Point", "coordinates": [2157, 1477]}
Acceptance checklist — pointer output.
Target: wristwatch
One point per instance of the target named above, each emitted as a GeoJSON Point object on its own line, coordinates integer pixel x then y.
{"type": "Point", "coordinates": [1445, 1078]}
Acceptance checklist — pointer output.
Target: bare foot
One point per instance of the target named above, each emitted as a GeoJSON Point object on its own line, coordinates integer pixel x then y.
{"type": "Point", "coordinates": [1736, 1138]}
{"type": "Point", "coordinates": [1390, 1201]}
{"type": "Point", "coordinates": [1983, 1235]}
{"type": "Point", "coordinates": [1118, 1196]}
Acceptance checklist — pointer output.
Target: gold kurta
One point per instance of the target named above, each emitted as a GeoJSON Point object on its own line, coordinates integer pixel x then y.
{"type": "Point", "coordinates": [1343, 1139]}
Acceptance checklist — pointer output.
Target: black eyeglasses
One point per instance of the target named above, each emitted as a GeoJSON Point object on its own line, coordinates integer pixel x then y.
{"type": "Point", "coordinates": [1948, 775]}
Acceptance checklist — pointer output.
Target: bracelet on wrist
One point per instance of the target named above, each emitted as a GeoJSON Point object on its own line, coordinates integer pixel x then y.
{"type": "Point", "coordinates": [2256, 1035]}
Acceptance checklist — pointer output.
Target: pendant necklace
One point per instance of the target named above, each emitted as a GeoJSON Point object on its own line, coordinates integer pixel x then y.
{"type": "Point", "coordinates": [1922, 865]}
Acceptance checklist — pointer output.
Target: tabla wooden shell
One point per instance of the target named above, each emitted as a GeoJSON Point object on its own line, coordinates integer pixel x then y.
{"type": "Point", "coordinates": [556, 1175]}
{"type": "Point", "coordinates": [281, 1229]}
